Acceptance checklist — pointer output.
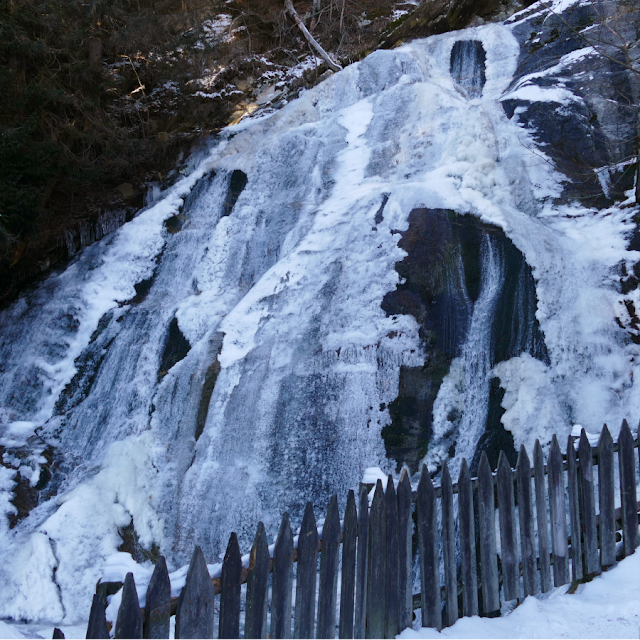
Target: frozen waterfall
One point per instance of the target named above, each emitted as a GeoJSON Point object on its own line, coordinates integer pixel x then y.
{"type": "Point", "coordinates": [225, 356]}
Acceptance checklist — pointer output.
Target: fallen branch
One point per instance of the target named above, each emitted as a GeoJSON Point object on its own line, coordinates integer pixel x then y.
{"type": "Point", "coordinates": [312, 41]}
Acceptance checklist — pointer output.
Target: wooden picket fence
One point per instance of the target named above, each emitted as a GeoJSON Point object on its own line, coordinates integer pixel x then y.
{"type": "Point", "coordinates": [563, 523]}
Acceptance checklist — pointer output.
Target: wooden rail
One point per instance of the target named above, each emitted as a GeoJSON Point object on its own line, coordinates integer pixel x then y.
{"type": "Point", "coordinates": [552, 531]}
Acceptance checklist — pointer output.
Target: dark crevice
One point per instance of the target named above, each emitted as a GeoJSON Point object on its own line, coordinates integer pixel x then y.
{"type": "Point", "coordinates": [379, 214]}
{"type": "Point", "coordinates": [237, 183]}
{"type": "Point", "coordinates": [176, 347]}
{"type": "Point", "coordinates": [467, 66]}
{"type": "Point", "coordinates": [210, 378]}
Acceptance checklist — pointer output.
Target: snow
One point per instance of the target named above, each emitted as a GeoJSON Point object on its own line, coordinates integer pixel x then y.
{"type": "Point", "coordinates": [606, 607]}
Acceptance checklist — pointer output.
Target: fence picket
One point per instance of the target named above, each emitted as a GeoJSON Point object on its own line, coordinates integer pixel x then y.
{"type": "Point", "coordinates": [606, 493]}
{"type": "Point", "coordinates": [488, 557]}
{"type": "Point", "coordinates": [558, 514]}
{"type": "Point", "coordinates": [348, 582]}
{"type": "Point", "coordinates": [627, 466]}
{"type": "Point", "coordinates": [57, 634]}
{"type": "Point", "coordinates": [255, 625]}
{"type": "Point", "coordinates": [449, 548]}
{"type": "Point", "coordinates": [328, 590]}
{"type": "Point", "coordinates": [392, 619]}
{"type": "Point", "coordinates": [377, 565]}
{"type": "Point", "coordinates": [360, 618]}
{"type": "Point", "coordinates": [508, 542]}
{"type": "Point", "coordinates": [527, 530]}
{"type": "Point", "coordinates": [97, 627]}
{"type": "Point", "coordinates": [574, 512]}
{"type": "Point", "coordinates": [427, 516]}
{"type": "Point", "coordinates": [229, 626]}
{"type": "Point", "coordinates": [588, 506]}
{"type": "Point", "coordinates": [157, 609]}
{"type": "Point", "coordinates": [542, 519]}
{"type": "Point", "coordinates": [129, 620]}
{"type": "Point", "coordinates": [404, 550]}
{"type": "Point", "coordinates": [467, 542]}
{"type": "Point", "coordinates": [194, 614]}
{"type": "Point", "coordinates": [282, 581]}
{"type": "Point", "coordinates": [306, 576]}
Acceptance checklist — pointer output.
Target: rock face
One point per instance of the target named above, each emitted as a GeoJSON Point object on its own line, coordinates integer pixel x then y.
{"type": "Point", "coordinates": [383, 271]}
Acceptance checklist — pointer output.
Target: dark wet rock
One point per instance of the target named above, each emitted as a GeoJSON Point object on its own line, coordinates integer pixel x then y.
{"type": "Point", "coordinates": [237, 183]}
{"type": "Point", "coordinates": [442, 279]}
{"type": "Point", "coordinates": [467, 66]}
{"type": "Point", "coordinates": [176, 347]}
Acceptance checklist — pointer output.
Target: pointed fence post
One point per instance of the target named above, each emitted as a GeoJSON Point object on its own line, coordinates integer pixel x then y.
{"type": "Point", "coordinates": [97, 627]}
{"type": "Point", "coordinates": [574, 511]}
{"type": "Point", "coordinates": [467, 542]}
{"type": "Point", "coordinates": [360, 619]}
{"type": "Point", "coordinates": [405, 525]}
{"type": "Point", "coordinates": [255, 625]}
{"type": "Point", "coordinates": [282, 581]}
{"type": "Point", "coordinates": [348, 581]}
{"type": "Point", "coordinates": [328, 591]}
{"type": "Point", "coordinates": [527, 529]}
{"type": "Point", "coordinates": [376, 574]}
{"type": "Point", "coordinates": [508, 542]}
{"type": "Point", "coordinates": [129, 621]}
{"type": "Point", "coordinates": [427, 512]}
{"type": "Point", "coordinates": [627, 468]}
{"type": "Point", "coordinates": [542, 518]}
{"type": "Point", "coordinates": [304, 623]}
{"type": "Point", "coordinates": [488, 553]}
{"type": "Point", "coordinates": [229, 626]}
{"type": "Point", "coordinates": [57, 634]}
{"type": "Point", "coordinates": [392, 620]}
{"type": "Point", "coordinates": [606, 495]}
{"type": "Point", "coordinates": [194, 614]}
{"type": "Point", "coordinates": [157, 609]}
{"type": "Point", "coordinates": [588, 506]}
{"type": "Point", "coordinates": [558, 515]}
{"type": "Point", "coordinates": [449, 548]}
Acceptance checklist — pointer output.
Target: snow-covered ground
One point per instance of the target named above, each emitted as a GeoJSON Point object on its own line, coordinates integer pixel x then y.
{"type": "Point", "coordinates": [606, 607]}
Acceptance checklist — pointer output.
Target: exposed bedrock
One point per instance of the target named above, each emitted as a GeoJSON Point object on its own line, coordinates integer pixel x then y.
{"type": "Point", "coordinates": [442, 284]}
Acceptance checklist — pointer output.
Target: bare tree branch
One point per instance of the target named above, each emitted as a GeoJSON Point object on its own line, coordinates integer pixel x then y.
{"type": "Point", "coordinates": [310, 39]}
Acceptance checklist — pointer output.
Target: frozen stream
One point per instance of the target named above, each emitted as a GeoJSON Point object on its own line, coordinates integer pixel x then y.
{"type": "Point", "coordinates": [272, 387]}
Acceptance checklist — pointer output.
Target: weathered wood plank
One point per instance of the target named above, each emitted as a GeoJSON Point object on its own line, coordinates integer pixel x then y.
{"type": "Point", "coordinates": [348, 580]}
{"type": "Point", "coordinates": [255, 625]}
{"type": "Point", "coordinates": [282, 581]}
{"type": "Point", "coordinates": [304, 623]}
{"type": "Point", "coordinates": [449, 549]}
{"type": "Point", "coordinates": [392, 618]}
{"type": "Point", "coordinates": [427, 516]}
{"type": "Point", "coordinates": [405, 524]}
{"type": "Point", "coordinates": [467, 542]}
{"type": "Point", "coordinates": [97, 627]}
{"type": "Point", "coordinates": [157, 608]}
{"type": "Point", "coordinates": [527, 529]}
{"type": "Point", "coordinates": [606, 498]}
{"type": "Point", "coordinates": [558, 515]}
{"type": "Point", "coordinates": [376, 575]}
{"type": "Point", "coordinates": [362, 561]}
{"type": "Point", "coordinates": [488, 554]}
{"type": "Point", "coordinates": [129, 620]}
{"type": "Point", "coordinates": [627, 469]}
{"type": "Point", "coordinates": [57, 634]}
{"type": "Point", "coordinates": [574, 512]}
{"type": "Point", "coordinates": [588, 506]}
{"type": "Point", "coordinates": [542, 519]}
{"type": "Point", "coordinates": [507, 518]}
{"type": "Point", "coordinates": [194, 613]}
{"type": "Point", "coordinates": [329, 557]}
{"type": "Point", "coordinates": [229, 626]}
